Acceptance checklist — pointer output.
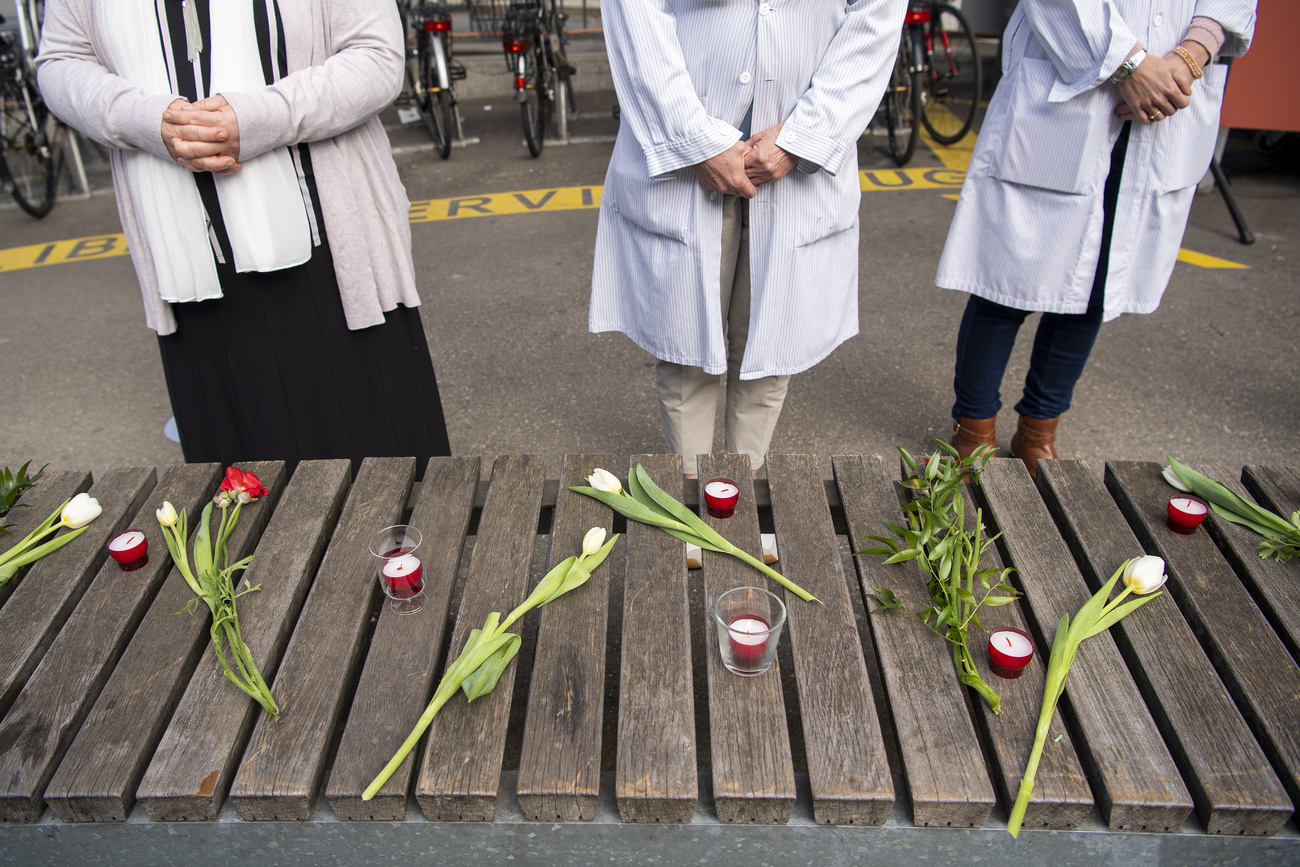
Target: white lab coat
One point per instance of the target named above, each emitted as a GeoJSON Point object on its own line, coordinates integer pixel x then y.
{"type": "Point", "coordinates": [1028, 226]}
{"type": "Point", "coordinates": [685, 72]}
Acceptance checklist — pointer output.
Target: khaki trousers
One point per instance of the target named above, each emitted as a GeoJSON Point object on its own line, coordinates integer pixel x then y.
{"type": "Point", "coordinates": [688, 397]}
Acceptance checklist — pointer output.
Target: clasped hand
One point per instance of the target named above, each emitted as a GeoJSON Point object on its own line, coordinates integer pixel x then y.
{"type": "Point", "coordinates": [1160, 86]}
{"type": "Point", "coordinates": [202, 136]}
{"type": "Point", "coordinates": [746, 165]}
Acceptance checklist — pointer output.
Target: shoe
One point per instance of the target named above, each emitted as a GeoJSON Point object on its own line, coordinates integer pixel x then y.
{"type": "Point", "coordinates": [1034, 440]}
{"type": "Point", "coordinates": [969, 434]}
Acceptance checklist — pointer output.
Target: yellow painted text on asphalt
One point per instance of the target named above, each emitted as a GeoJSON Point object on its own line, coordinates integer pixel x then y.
{"type": "Point", "coordinates": [947, 178]}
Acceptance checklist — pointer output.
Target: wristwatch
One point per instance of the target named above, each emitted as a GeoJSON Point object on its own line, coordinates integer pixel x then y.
{"type": "Point", "coordinates": [1128, 67]}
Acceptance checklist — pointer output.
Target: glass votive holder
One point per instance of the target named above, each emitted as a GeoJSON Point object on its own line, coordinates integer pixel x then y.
{"type": "Point", "coordinates": [748, 621]}
{"type": "Point", "coordinates": [398, 567]}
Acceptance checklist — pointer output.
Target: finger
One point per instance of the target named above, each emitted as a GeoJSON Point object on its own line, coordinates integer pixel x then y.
{"type": "Point", "coordinates": [197, 150]}
{"type": "Point", "coordinates": [211, 103]}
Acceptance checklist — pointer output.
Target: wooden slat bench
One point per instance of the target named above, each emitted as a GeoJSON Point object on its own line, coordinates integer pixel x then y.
{"type": "Point", "coordinates": [618, 734]}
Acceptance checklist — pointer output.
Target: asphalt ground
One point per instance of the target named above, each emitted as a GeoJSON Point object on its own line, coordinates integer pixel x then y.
{"type": "Point", "coordinates": [504, 274]}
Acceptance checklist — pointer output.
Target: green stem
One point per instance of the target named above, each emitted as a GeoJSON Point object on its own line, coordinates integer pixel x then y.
{"type": "Point", "coordinates": [771, 573]}
{"type": "Point", "coordinates": [1031, 768]}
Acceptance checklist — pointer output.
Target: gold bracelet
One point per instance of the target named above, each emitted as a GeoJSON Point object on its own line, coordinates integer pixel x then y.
{"type": "Point", "coordinates": [1190, 61]}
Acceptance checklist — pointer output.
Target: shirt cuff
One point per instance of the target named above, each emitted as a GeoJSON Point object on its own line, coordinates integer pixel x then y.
{"type": "Point", "coordinates": [814, 150]}
{"type": "Point", "coordinates": [662, 159]}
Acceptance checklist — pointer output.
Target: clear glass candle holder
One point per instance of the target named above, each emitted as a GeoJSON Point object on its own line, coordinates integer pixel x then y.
{"type": "Point", "coordinates": [396, 554]}
{"type": "Point", "coordinates": [748, 621]}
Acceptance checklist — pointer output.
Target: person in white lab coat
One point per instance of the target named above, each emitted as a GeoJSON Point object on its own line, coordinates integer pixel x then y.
{"type": "Point", "coordinates": [1079, 191]}
{"type": "Point", "coordinates": [728, 229]}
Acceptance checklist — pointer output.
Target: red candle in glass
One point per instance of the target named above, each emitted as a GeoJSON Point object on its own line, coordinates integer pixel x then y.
{"type": "Point", "coordinates": [749, 636]}
{"type": "Point", "coordinates": [403, 574]}
{"type": "Point", "coordinates": [720, 495]}
{"type": "Point", "coordinates": [1010, 650]}
{"type": "Point", "coordinates": [1186, 512]}
{"type": "Point", "coordinates": [128, 547]}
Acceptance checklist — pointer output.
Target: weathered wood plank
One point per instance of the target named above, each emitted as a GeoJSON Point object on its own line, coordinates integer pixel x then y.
{"type": "Point", "coordinates": [1255, 666]}
{"type": "Point", "coordinates": [33, 507]}
{"type": "Point", "coordinates": [1061, 798]}
{"type": "Point", "coordinates": [97, 779]}
{"type": "Point", "coordinates": [753, 772]}
{"type": "Point", "coordinates": [559, 764]}
{"type": "Point", "coordinates": [192, 766]}
{"type": "Point", "coordinates": [1234, 790]}
{"type": "Point", "coordinates": [461, 765]}
{"type": "Point", "coordinates": [284, 761]}
{"type": "Point", "coordinates": [656, 778]}
{"type": "Point", "coordinates": [1133, 776]}
{"type": "Point", "coordinates": [847, 765]}
{"type": "Point", "coordinates": [1275, 586]}
{"type": "Point", "coordinates": [48, 712]}
{"type": "Point", "coordinates": [398, 676]}
{"type": "Point", "coordinates": [53, 585]}
{"type": "Point", "coordinates": [941, 754]}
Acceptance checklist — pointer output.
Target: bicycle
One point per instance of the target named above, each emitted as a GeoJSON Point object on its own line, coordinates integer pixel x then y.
{"type": "Point", "coordinates": [937, 79]}
{"type": "Point", "coordinates": [533, 38]}
{"type": "Point", "coordinates": [29, 133]}
{"type": "Point", "coordinates": [431, 73]}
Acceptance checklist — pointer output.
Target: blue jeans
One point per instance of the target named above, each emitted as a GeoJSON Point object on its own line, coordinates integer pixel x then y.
{"type": "Point", "coordinates": [1062, 343]}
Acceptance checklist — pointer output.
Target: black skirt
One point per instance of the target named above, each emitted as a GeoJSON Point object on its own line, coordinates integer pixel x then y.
{"type": "Point", "coordinates": [270, 371]}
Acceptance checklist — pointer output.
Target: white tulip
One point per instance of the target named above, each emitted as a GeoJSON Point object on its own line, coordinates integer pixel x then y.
{"type": "Point", "coordinates": [80, 511]}
{"type": "Point", "coordinates": [1172, 478]}
{"type": "Point", "coordinates": [604, 480]}
{"type": "Point", "coordinates": [592, 541]}
{"type": "Point", "coordinates": [167, 514]}
{"type": "Point", "coordinates": [1145, 575]}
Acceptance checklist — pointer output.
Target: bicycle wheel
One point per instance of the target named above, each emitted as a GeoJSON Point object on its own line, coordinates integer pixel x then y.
{"type": "Point", "coordinates": [435, 100]}
{"type": "Point", "coordinates": [902, 105]}
{"type": "Point", "coordinates": [426, 94]}
{"type": "Point", "coordinates": [28, 153]}
{"type": "Point", "coordinates": [953, 87]}
{"type": "Point", "coordinates": [536, 108]}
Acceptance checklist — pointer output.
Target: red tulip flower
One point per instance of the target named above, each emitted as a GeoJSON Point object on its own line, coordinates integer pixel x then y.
{"type": "Point", "coordinates": [242, 486]}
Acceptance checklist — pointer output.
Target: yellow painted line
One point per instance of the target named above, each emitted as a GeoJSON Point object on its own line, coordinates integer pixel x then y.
{"type": "Point", "coordinates": [954, 156]}
{"type": "Point", "coordinates": [951, 196]}
{"type": "Point", "coordinates": [1204, 260]}
{"type": "Point", "coordinates": [948, 178]}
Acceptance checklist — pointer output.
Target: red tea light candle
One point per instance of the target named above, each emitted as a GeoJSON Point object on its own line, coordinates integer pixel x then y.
{"type": "Point", "coordinates": [749, 636]}
{"type": "Point", "coordinates": [403, 574]}
{"type": "Point", "coordinates": [720, 495]}
{"type": "Point", "coordinates": [1186, 513]}
{"type": "Point", "coordinates": [1010, 650]}
{"type": "Point", "coordinates": [128, 548]}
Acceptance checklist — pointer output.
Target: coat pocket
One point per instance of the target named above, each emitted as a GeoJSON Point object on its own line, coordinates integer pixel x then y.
{"type": "Point", "coordinates": [1184, 143]}
{"type": "Point", "coordinates": [820, 204]}
{"type": "Point", "coordinates": [1052, 145]}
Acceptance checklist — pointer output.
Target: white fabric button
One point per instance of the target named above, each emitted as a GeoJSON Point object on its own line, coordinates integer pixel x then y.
{"type": "Point", "coordinates": [1158, 20]}
{"type": "Point", "coordinates": [789, 137]}
{"type": "Point", "coordinates": [744, 78]}
{"type": "Point", "coordinates": [764, 9]}
{"type": "Point", "coordinates": [713, 195]}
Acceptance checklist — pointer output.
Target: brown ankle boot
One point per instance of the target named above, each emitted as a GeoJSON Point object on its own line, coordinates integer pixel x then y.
{"type": "Point", "coordinates": [1034, 439]}
{"type": "Point", "coordinates": [969, 434]}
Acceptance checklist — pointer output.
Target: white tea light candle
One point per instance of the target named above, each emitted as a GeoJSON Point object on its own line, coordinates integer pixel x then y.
{"type": "Point", "coordinates": [128, 546]}
{"type": "Point", "coordinates": [1185, 513]}
{"type": "Point", "coordinates": [1010, 650]}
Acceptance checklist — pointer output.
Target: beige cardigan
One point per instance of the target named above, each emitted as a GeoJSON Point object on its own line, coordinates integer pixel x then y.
{"type": "Point", "coordinates": [345, 63]}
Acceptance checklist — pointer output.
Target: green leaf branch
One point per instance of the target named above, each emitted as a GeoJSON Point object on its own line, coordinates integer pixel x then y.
{"type": "Point", "coordinates": [936, 538]}
{"type": "Point", "coordinates": [647, 503]}
{"type": "Point", "coordinates": [489, 650]}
